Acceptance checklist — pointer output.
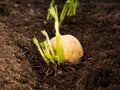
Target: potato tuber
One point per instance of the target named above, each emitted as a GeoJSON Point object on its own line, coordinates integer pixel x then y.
{"type": "Point", "coordinates": [73, 50]}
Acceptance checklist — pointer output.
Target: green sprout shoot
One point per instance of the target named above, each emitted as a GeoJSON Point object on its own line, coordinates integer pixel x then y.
{"type": "Point", "coordinates": [45, 49]}
{"type": "Point", "coordinates": [59, 48]}
{"type": "Point", "coordinates": [69, 9]}
{"type": "Point", "coordinates": [49, 17]}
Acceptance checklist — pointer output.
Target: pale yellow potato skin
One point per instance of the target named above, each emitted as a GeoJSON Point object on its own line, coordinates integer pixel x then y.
{"type": "Point", "coordinates": [73, 50]}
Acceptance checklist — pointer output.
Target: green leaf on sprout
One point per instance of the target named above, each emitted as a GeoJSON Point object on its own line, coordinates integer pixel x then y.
{"type": "Point", "coordinates": [59, 47]}
{"type": "Point", "coordinates": [69, 9]}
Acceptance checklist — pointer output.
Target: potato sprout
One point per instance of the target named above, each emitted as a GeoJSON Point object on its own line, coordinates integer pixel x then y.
{"type": "Point", "coordinates": [61, 48]}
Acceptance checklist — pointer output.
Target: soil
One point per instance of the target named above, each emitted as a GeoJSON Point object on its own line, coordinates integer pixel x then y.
{"type": "Point", "coordinates": [96, 25]}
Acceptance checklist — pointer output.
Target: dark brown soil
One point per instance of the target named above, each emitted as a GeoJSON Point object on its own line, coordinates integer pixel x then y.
{"type": "Point", "coordinates": [97, 27]}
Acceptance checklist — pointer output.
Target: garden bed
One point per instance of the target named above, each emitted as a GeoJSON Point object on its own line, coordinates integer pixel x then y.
{"type": "Point", "coordinates": [96, 25]}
